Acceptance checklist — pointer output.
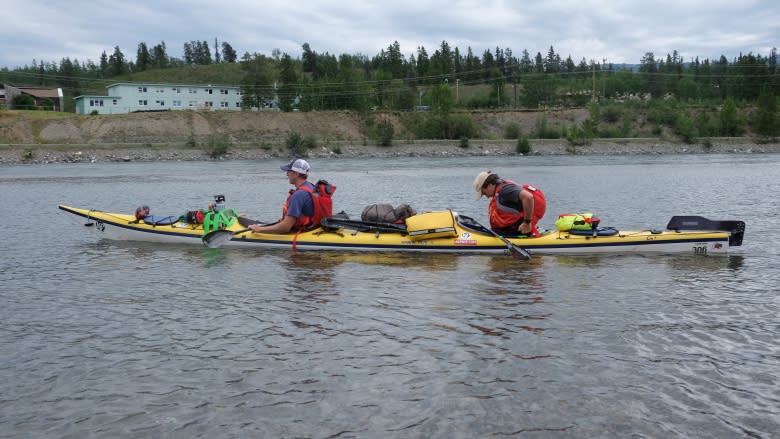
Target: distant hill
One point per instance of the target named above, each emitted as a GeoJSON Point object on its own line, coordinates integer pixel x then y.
{"type": "Point", "coordinates": [624, 66]}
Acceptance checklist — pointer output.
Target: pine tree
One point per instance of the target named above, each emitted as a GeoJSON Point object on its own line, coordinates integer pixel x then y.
{"type": "Point", "coordinates": [765, 120]}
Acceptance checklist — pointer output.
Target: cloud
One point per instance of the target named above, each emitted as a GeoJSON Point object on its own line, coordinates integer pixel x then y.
{"type": "Point", "coordinates": [619, 31]}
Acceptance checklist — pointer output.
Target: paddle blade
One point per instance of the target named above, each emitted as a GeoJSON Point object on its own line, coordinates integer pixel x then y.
{"type": "Point", "coordinates": [217, 238]}
{"type": "Point", "coordinates": [519, 253]}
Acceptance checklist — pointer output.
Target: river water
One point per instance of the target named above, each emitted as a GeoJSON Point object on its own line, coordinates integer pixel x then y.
{"type": "Point", "coordinates": [107, 339]}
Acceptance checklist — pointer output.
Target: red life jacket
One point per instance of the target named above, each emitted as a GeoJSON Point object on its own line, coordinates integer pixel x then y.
{"type": "Point", "coordinates": [503, 216]}
{"type": "Point", "coordinates": [321, 197]}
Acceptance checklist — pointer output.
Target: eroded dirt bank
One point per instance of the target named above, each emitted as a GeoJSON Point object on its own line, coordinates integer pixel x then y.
{"type": "Point", "coordinates": [256, 136]}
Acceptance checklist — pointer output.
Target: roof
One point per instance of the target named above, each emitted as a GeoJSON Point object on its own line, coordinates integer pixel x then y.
{"type": "Point", "coordinates": [97, 97]}
{"type": "Point", "coordinates": [42, 92]}
{"type": "Point", "coordinates": [157, 84]}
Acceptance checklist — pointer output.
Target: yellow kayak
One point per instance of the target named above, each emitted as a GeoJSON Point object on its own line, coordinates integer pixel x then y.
{"type": "Point", "coordinates": [441, 231]}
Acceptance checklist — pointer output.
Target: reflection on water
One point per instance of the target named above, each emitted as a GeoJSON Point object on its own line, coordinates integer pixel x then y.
{"type": "Point", "coordinates": [422, 261]}
{"type": "Point", "coordinates": [731, 262]}
{"type": "Point", "coordinates": [683, 262]}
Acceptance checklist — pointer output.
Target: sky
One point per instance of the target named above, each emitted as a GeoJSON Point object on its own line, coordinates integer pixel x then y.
{"type": "Point", "coordinates": [611, 31]}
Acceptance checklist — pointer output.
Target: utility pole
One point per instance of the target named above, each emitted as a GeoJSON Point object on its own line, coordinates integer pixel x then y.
{"type": "Point", "coordinates": [593, 69]}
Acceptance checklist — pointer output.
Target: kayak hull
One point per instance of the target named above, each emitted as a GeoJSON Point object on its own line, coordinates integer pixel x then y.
{"type": "Point", "coordinates": [124, 227]}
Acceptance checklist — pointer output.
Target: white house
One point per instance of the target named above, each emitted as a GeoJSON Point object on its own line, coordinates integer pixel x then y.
{"type": "Point", "coordinates": [128, 97]}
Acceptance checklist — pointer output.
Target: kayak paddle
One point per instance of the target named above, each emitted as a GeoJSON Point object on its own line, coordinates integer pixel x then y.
{"type": "Point", "coordinates": [216, 238]}
{"type": "Point", "coordinates": [518, 253]}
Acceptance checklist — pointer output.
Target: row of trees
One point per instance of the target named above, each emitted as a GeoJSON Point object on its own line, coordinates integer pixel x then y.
{"type": "Point", "coordinates": [198, 53]}
{"type": "Point", "coordinates": [75, 76]}
{"type": "Point", "coordinates": [391, 80]}
{"type": "Point", "coordinates": [388, 80]}
{"type": "Point", "coordinates": [195, 53]}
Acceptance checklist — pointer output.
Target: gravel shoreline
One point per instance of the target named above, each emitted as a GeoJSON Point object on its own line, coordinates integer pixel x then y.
{"type": "Point", "coordinates": [41, 154]}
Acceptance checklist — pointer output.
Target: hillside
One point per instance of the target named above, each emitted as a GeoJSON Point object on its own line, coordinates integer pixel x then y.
{"type": "Point", "coordinates": [257, 128]}
{"type": "Point", "coordinates": [42, 137]}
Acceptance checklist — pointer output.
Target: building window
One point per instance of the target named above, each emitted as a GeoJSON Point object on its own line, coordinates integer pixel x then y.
{"type": "Point", "coordinates": [208, 104]}
{"type": "Point", "coordinates": [222, 91]}
{"type": "Point", "coordinates": [209, 91]}
{"type": "Point", "coordinates": [176, 90]}
{"type": "Point", "coordinates": [160, 90]}
{"type": "Point", "coordinates": [160, 103]}
{"type": "Point", "coordinates": [141, 89]}
{"type": "Point", "coordinates": [238, 92]}
{"type": "Point", "coordinates": [142, 102]}
{"type": "Point", "coordinates": [114, 102]}
{"type": "Point", "coordinates": [193, 90]}
{"type": "Point", "coordinates": [177, 103]}
{"type": "Point", "coordinates": [193, 104]}
{"type": "Point", "coordinates": [223, 104]}
{"type": "Point", "coordinates": [238, 104]}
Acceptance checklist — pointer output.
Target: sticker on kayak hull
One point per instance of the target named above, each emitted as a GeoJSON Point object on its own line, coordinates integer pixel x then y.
{"type": "Point", "coordinates": [465, 239]}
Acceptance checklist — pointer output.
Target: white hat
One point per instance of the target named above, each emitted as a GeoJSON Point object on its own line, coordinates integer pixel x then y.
{"type": "Point", "coordinates": [300, 166]}
{"type": "Point", "coordinates": [479, 181]}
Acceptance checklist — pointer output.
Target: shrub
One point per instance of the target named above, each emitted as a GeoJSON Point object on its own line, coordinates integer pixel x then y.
{"type": "Point", "coordinates": [295, 144]}
{"type": "Point", "coordinates": [625, 130]}
{"type": "Point", "coordinates": [440, 126]}
{"type": "Point", "coordinates": [541, 126]}
{"type": "Point", "coordinates": [545, 132]}
{"type": "Point", "coordinates": [523, 145]}
{"type": "Point", "coordinates": [683, 127]}
{"type": "Point", "coordinates": [765, 119]}
{"type": "Point", "coordinates": [512, 131]}
{"type": "Point", "coordinates": [703, 125]}
{"type": "Point", "coordinates": [663, 112]}
{"type": "Point", "coordinates": [464, 142]}
{"type": "Point", "coordinates": [24, 102]}
{"type": "Point", "coordinates": [218, 145]}
{"type": "Point", "coordinates": [299, 145]}
{"type": "Point", "coordinates": [461, 125]}
{"type": "Point", "coordinates": [609, 133]}
{"type": "Point", "coordinates": [594, 111]}
{"type": "Point", "coordinates": [611, 114]}
{"type": "Point", "coordinates": [384, 132]}
{"type": "Point", "coordinates": [579, 135]}
{"type": "Point", "coordinates": [309, 142]}
{"type": "Point", "coordinates": [191, 141]}
{"type": "Point", "coordinates": [380, 132]}
{"type": "Point", "coordinates": [731, 124]}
